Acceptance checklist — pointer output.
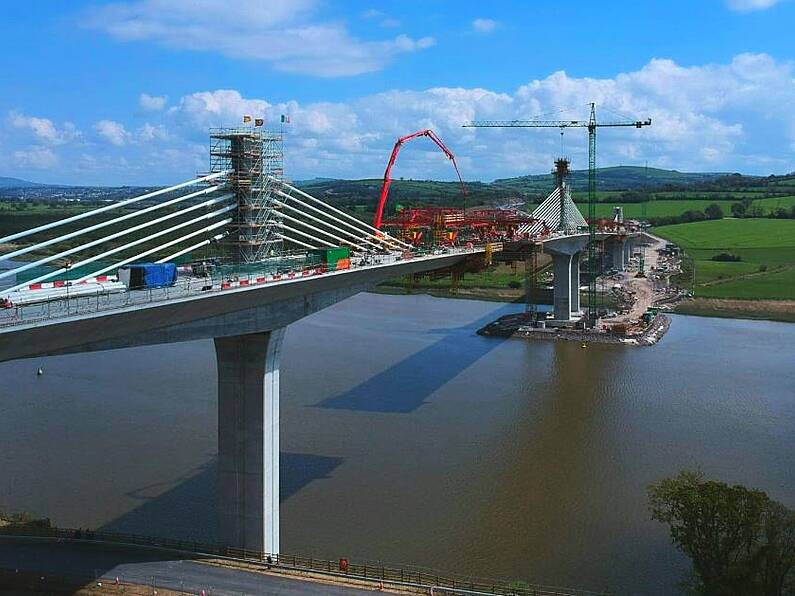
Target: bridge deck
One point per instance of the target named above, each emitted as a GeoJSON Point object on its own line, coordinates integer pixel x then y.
{"type": "Point", "coordinates": [186, 312]}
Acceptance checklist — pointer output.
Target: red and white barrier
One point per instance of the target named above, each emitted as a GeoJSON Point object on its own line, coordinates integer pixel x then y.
{"type": "Point", "coordinates": [61, 283]}
{"type": "Point", "coordinates": [262, 279]}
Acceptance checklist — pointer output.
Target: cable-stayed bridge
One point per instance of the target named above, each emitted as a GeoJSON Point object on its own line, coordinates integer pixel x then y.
{"type": "Point", "coordinates": [251, 237]}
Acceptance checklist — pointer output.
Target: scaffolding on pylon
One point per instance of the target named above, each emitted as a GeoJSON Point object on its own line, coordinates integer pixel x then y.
{"type": "Point", "coordinates": [253, 156]}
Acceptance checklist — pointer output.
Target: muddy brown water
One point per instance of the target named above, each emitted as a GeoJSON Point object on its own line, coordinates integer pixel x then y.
{"type": "Point", "coordinates": [407, 438]}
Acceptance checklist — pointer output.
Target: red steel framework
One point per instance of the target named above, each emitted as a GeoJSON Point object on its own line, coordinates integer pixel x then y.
{"type": "Point", "coordinates": [379, 212]}
{"type": "Point", "coordinates": [449, 224]}
{"type": "Point", "coordinates": [445, 223]}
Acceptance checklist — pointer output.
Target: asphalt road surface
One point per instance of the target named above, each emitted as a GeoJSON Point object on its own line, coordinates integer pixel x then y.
{"type": "Point", "coordinates": [148, 567]}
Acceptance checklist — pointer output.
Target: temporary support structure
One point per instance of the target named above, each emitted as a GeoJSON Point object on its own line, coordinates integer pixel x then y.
{"type": "Point", "coordinates": [250, 156]}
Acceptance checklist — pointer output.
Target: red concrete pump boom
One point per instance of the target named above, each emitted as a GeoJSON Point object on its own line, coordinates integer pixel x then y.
{"type": "Point", "coordinates": [379, 212]}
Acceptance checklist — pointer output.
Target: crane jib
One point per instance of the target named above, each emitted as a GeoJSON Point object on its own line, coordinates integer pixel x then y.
{"type": "Point", "coordinates": [591, 124]}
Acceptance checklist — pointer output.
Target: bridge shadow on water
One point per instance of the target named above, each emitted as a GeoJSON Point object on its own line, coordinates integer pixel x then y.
{"type": "Point", "coordinates": [187, 511]}
{"type": "Point", "coordinates": [406, 385]}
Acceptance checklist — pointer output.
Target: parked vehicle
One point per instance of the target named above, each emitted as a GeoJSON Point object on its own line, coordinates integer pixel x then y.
{"type": "Point", "coordinates": [145, 276]}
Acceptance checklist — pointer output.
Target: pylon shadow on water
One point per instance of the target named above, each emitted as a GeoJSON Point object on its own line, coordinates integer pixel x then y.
{"type": "Point", "coordinates": [406, 385]}
{"type": "Point", "coordinates": [187, 511]}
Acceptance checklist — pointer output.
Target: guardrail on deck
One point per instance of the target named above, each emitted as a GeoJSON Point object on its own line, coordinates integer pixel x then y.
{"type": "Point", "coordinates": [407, 576]}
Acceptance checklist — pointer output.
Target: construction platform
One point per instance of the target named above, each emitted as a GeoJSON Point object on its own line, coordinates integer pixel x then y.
{"type": "Point", "coordinates": [523, 326]}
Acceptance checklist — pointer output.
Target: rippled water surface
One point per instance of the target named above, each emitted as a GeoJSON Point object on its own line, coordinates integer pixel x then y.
{"type": "Point", "coordinates": [408, 438]}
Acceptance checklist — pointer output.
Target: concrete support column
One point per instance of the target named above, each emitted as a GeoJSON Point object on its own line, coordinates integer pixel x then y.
{"type": "Point", "coordinates": [574, 303]}
{"type": "Point", "coordinates": [561, 285]}
{"type": "Point", "coordinates": [627, 252]}
{"type": "Point", "coordinates": [248, 440]}
{"type": "Point", "coordinates": [617, 255]}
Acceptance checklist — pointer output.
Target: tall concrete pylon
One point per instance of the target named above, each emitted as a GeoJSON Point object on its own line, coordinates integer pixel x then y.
{"type": "Point", "coordinates": [248, 440]}
{"type": "Point", "coordinates": [558, 211]}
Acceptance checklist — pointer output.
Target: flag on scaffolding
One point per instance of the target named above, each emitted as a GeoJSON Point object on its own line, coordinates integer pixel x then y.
{"type": "Point", "coordinates": [285, 119]}
{"type": "Point", "coordinates": [246, 119]}
{"type": "Point", "coordinates": [259, 121]}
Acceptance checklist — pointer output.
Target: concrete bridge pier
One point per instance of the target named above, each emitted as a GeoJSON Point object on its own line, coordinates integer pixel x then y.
{"type": "Point", "coordinates": [617, 254]}
{"type": "Point", "coordinates": [561, 285]}
{"type": "Point", "coordinates": [627, 252]}
{"type": "Point", "coordinates": [566, 252]}
{"type": "Point", "coordinates": [248, 440]}
{"type": "Point", "coordinates": [574, 289]}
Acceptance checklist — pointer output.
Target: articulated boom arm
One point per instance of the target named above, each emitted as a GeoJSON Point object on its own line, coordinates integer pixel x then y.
{"type": "Point", "coordinates": [379, 212]}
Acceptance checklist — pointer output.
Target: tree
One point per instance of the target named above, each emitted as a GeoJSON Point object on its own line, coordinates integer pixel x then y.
{"type": "Point", "coordinates": [713, 211]}
{"type": "Point", "coordinates": [693, 215]}
{"type": "Point", "coordinates": [738, 210]}
{"type": "Point", "coordinates": [777, 556]}
{"type": "Point", "coordinates": [739, 540]}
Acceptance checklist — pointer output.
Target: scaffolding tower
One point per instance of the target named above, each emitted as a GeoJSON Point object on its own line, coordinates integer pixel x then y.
{"type": "Point", "coordinates": [252, 157]}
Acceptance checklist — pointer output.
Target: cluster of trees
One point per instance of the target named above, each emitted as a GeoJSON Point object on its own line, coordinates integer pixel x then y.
{"type": "Point", "coordinates": [746, 208]}
{"type": "Point", "coordinates": [712, 211]}
{"type": "Point", "coordinates": [739, 540]}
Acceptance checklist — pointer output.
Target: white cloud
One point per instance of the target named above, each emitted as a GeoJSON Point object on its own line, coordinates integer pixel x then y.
{"type": "Point", "coordinates": [736, 116]}
{"type": "Point", "coordinates": [112, 131]}
{"type": "Point", "coordinates": [149, 132]}
{"type": "Point", "coordinates": [35, 158]}
{"type": "Point", "coordinates": [224, 107]}
{"type": "Point", "coordinates": [152, 103]}
{"type": "Point", "coordinates": [282, 32]}
{"type": "Point", "coordinates": [751, 5]}
{"type": "Point", "coordinates": [484, 25]}
{"type": "Point", "coordinates": [43, 129]}
{"type": "Point", "coordinates": [722, 116]}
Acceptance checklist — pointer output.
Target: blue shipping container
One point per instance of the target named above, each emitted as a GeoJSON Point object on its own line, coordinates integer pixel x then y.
{"type": "Point", "coordinates": [149, 275]}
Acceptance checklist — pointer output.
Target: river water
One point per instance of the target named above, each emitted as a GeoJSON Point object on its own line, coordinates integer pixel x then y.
{"type": "Point", "coordinates": [409, 439]}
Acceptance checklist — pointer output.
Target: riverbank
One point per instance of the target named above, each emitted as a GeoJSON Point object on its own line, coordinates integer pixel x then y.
{"type": "Point", "coordinates": [484, 294]}
{"type": "Point", "coordinates": [725, 308]}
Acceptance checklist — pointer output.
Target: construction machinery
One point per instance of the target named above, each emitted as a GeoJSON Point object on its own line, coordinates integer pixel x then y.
{"type": "Point", "coordinates": [449, 225]}
{"type": "Point", "coordinates": [591, 124]}
{"type": "Point", "coordinates": [379, 212]}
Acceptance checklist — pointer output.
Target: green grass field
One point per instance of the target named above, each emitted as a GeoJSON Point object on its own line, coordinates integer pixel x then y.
{"type": "Point", "coordinates": [671, 207]}
{"type": "Point", "coordinates": [655, 208]}
{"type": "Point", "coordinates": [766, 247]}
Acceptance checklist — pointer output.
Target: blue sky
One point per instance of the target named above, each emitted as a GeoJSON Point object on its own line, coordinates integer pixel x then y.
{"type": "Point", "coordinates": [124, 92]}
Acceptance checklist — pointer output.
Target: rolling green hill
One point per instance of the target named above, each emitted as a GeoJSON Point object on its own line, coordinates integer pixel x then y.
{"type": "Point", "coordinates": [612, 178]}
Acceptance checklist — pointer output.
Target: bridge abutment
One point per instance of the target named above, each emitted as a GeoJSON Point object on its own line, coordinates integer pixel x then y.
{"type": "Point", "coordinates": [248, 440]}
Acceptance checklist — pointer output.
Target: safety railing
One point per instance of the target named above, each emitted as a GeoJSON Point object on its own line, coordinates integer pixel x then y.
{"type": "Point", "coordinates": [185, 287]}
{"type": "Point", "coordinates": [432, 582]}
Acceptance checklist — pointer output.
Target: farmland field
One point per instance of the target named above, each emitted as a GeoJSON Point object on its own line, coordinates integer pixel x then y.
{"type": "Point", "coordinates": [655, 208]}
{"type": "Point", "coordinates": [766, 248]}
{"type": "Point", "coordinates": [673, 207]}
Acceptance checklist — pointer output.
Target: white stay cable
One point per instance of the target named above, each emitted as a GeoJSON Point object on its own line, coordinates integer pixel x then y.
{"type": "Point", "coordinates": [110, 237]}
{"type": "Point", "coordinates": [80, 216]}
{"type": "Point", "coordinates": [110, 222]}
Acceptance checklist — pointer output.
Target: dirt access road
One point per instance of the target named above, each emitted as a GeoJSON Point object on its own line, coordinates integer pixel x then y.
{"type": "Point", "coordinates": [644, 287]}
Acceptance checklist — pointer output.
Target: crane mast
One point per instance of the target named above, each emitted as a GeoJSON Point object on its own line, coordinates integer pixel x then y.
{"type": "Point", "coordinates": [592, 125]}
